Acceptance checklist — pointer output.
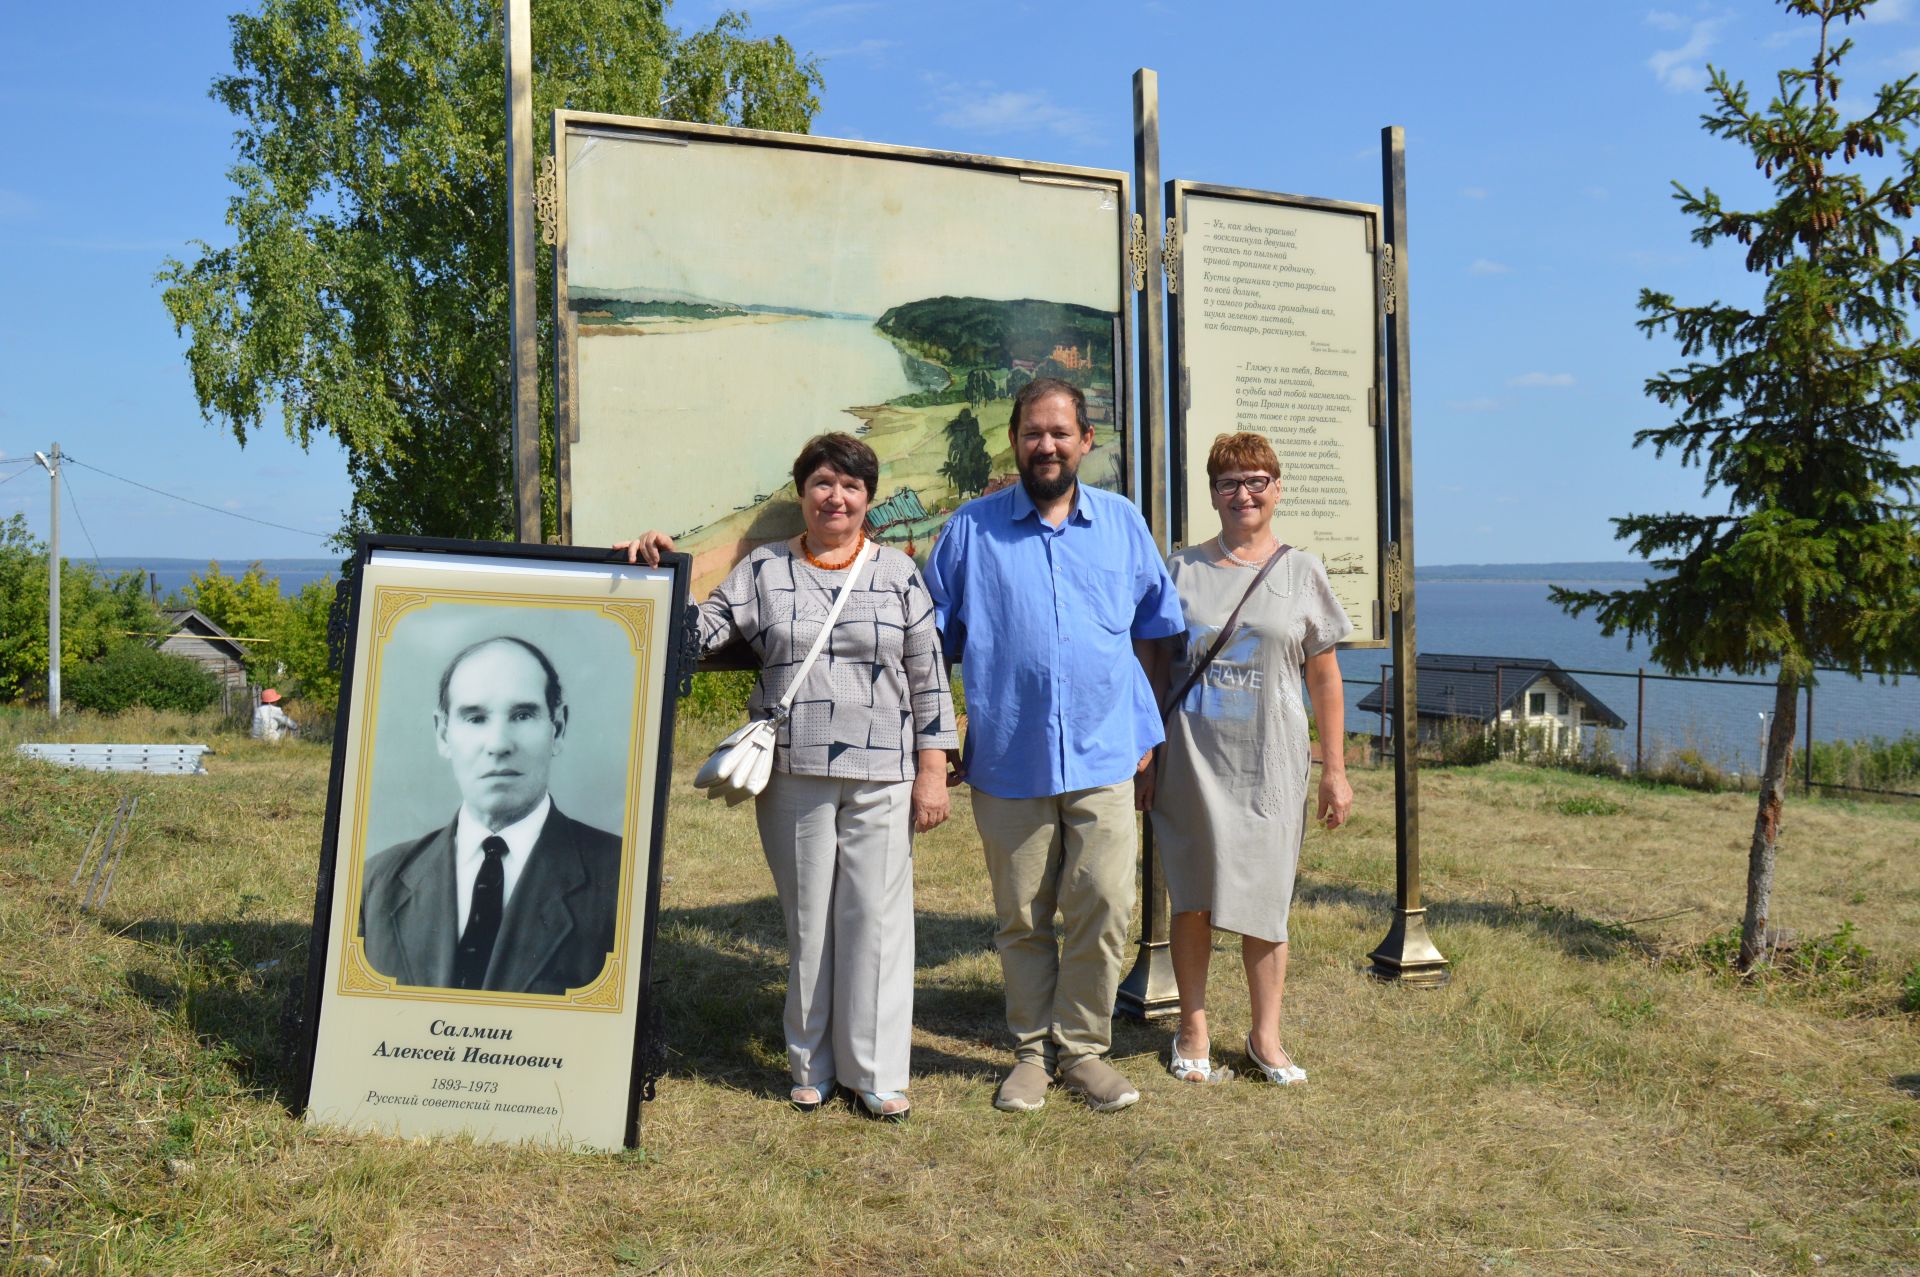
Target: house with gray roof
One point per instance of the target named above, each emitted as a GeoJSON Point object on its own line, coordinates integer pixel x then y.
{"type": "Point", "coordinates": [1529, 693]}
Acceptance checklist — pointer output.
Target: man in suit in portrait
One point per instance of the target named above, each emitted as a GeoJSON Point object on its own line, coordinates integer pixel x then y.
{"type": "Point", "coordinates": [511, 895]}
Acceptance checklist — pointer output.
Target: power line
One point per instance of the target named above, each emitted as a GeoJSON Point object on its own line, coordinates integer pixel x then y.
{"type": "Point", "coordinates": [74, 502]}
{"type": "Point", "coordinates": [15, 475]}
{"type": "Point", "coordinates": [233, 514]}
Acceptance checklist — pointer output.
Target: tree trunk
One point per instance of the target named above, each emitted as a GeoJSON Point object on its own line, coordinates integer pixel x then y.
{"type": "Point", "coordinates": [1766, 823]}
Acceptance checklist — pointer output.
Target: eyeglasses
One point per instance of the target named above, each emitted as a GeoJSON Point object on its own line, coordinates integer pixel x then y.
{"type": "Point", "coordinates": [1255, 484]}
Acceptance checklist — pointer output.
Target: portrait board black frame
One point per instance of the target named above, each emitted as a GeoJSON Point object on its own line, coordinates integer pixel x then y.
{"type": "Point", "coordinates": [667, 653]}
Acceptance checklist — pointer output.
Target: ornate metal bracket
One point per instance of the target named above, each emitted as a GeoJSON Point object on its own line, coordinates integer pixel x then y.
{"type": "Point", "coordinates": [689, 651]}
{"type": "Point", "coordinates": [1396, 578]}
{"type": "Point", "coordinates": [1389, 279]}
{"type": "Point", "coordinates": [546, 199]}
{"type": "Point", "coordinates": [1170, 254]}
{"type": "Point", "coordinates": [652, 1064]}
{"type": "Point", "coordinates": [1137, 252]}
{"type": "Point", "coordinates": [338, 613]}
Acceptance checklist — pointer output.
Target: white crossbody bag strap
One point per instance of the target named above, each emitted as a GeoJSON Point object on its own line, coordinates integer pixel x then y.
{"type": "Point", "coordinates": [820, 640]}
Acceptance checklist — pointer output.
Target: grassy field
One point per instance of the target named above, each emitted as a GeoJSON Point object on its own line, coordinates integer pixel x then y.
{"type": "Point", "coordinates": [1590, 1094]}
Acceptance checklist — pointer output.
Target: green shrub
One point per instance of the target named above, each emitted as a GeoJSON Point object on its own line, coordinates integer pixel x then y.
{"type": "Point", "coordinates": [1878, 763]}
{"type": "Point", "coordinates": [1818, 965]}
{"type": "Point", "coordinates": [135, 674]}
{"type": "Point", "coordinates": [1910, 989]}
{"type": "Point", "coordinates": [1689, 769]}
{"type": "Point", "coordinates": [1464, 742]}
{"type": "Point", "coordinates": [720, 695]}
{"type": "Point", "coordinates": [1588, 805]}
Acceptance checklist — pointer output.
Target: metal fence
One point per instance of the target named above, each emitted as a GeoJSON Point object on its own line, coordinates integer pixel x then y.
{"type": "Point", "coordinates": [1717, 728]}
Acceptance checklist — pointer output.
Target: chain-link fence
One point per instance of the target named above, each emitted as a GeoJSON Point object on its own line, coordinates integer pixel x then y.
{"type": "Point", "coordinates": [1853, 735]}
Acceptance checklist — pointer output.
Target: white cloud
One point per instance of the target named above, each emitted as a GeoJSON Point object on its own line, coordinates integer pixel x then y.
{"type": "Point", "coordinates": [1661, 20]}
{"type": "Point", "coordinates": [1482, 404]}
{"type": "Point", "coordinates": [869, 48]}
{"type": "Point", "coordinates": [1541, 379]}
{"type": "Point", "coordinates": [1473, 192]}
{"type": "Point", "coordinates": [1889, 11]}
{"type": "Point", "coordinates": [1481, 266]}
{"type": "Point", "coordinates": [1685, 67]}
{"type": "Point", "coordinates": [983, 107]}
{"type": "Point", "coordinates": [835, 12]}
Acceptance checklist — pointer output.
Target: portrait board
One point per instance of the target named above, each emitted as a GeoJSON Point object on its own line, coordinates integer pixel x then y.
{"type": "Point", "coordinates": [725, 294]}
{"type": "Point", "coordinates": [489, 881]}
{"type": "Point", "coordinates": [1275, 328]}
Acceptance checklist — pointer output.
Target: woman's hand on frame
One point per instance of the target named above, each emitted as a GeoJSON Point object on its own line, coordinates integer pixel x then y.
{"type": "Point", "coordinates": [646, 548]}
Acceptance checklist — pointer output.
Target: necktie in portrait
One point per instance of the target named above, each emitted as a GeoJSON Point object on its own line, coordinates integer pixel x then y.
{"type": "Point", "coordinates": [483, 917]}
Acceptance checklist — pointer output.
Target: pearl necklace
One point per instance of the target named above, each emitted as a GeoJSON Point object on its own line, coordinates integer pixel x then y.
{"type": "Point", "coordinates": [1234, 558]}
{"type": "Point", "coordinates": [858, 542]}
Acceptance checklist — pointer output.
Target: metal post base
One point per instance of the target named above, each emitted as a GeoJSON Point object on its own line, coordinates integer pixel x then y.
{"type": "Point", "coordinates": [1408, 954]}
{"type": "Point", "coordinates": [1148, 992]}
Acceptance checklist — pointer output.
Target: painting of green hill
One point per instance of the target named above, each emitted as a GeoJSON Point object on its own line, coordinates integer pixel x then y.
{"type": "Point", "coordinates": [947, 441]}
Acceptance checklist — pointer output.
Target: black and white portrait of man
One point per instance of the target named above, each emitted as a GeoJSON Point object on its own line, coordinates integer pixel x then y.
{"type": "Point", "coordinates": [508, 892]}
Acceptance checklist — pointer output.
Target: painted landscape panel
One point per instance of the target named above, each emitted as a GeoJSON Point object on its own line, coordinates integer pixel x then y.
{"type": "Point", "coordinates": [732, 299]}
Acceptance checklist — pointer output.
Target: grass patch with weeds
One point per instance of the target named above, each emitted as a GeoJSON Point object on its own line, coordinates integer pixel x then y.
{"type": "Point", "coordinates": [1577, 1100]}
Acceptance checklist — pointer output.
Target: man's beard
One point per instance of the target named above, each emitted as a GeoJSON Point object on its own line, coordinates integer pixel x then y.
{"type": "Point", "coordinates": [1041, 491]}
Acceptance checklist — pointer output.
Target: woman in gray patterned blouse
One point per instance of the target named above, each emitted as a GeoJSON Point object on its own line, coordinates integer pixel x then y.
{"type": "Point", "coordinates": [859, 768]}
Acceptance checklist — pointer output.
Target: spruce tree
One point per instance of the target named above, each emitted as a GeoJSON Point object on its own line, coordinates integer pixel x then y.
{"type": "Point", "coordinates": [1796, 409]}
{"type": "Point", "coordinates": [968, 466]}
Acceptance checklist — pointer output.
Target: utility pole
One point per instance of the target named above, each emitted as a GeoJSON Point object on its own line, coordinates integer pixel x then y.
{"type": "Point", "coordinates": [51, 461]}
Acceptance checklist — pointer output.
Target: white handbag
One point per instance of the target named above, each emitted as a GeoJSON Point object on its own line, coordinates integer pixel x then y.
{"type": "Point", "coordinates": [740, 765]}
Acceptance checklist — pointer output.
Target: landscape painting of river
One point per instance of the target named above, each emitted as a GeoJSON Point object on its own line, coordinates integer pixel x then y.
{"type": "Point", "coordinates": [726, 301]}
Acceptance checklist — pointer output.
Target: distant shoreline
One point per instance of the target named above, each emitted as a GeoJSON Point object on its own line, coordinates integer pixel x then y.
{"type": "Point", "coordinates": [1589, 573]}
{"type": "Point", "coordinates": [665, 324]}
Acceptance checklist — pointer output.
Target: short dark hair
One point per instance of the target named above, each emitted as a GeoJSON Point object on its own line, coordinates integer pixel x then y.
{"type": "Point", "coordinates": [841, 452]}
{"type": "Point", "coordinates": [1243, 451]}
{"type": "Point", "coordinates": [554, 698]}
{"type": "Point", "coordinates": [1043, 387]}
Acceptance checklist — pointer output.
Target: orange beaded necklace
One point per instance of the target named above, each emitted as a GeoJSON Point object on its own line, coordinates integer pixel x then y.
{"type": "Point", "coordinates": [858, 542]}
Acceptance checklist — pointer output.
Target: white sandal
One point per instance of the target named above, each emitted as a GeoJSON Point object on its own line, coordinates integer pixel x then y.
{"type": "Point", "coordinates": [1278, 1074]}
{"type": "Point", "coordinates": [1183, 1068]}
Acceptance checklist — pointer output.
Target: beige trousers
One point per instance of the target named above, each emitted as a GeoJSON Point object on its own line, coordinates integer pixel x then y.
{"type": "Point", "coordinates": [841, 852]}
{"type": "Point", "coordinates": [1074, 853]}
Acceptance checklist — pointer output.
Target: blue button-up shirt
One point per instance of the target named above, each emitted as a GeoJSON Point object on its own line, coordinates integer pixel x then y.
{"type": "Point", "coordinates": [1042, 621]}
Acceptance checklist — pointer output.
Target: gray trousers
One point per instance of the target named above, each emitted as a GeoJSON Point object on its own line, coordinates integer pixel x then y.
{"type": "Point", "coordinates": [1075, 854]}
{"type": "Point", "coordinates": [841, 852]}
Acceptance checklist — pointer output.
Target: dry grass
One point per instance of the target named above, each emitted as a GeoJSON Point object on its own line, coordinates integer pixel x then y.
{"type": "Point", "coordinates": [1585, 1096]}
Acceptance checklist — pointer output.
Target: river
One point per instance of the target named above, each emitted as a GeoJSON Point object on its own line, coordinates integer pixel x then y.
{"type": "Point", "coordinates": [647, 425]}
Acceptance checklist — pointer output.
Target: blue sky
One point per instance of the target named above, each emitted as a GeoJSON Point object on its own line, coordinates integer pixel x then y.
{"type": "Point", "coordinates": [1541, 141]}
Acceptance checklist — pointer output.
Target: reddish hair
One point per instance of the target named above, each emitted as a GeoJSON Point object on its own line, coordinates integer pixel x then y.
{"type": "Point", "coordinates": [1244, 451]}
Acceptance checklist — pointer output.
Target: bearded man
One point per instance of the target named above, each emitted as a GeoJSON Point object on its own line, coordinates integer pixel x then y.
{"type": "Point", "coordinates": [1042, 591]}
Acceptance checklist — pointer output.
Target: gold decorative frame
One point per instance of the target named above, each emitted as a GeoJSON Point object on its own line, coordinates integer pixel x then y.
{"type": "Point", "coordinates": [356, 976]}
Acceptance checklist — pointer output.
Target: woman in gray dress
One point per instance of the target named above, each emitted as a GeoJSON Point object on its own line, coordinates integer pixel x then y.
{"type": "Point", "coordinates": [858, 769]}
{"type": "Point", "coordinates": [1228, 794]}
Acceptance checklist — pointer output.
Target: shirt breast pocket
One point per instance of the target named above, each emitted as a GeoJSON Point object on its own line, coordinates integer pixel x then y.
{"type": "Point", "coordinates": [1107, 595]}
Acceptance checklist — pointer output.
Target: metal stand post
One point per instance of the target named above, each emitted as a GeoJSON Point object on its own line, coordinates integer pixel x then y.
{"type": "Point", "coordinates": [1148, 990]}
{"type": "Point", "coordinates": [1408, 953]}
{"type": "Point", "coordinates": [523, 324]}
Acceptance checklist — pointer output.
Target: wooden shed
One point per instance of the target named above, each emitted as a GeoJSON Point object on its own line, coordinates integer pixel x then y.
{"type": "Point", "coordinates": [192, 635]}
